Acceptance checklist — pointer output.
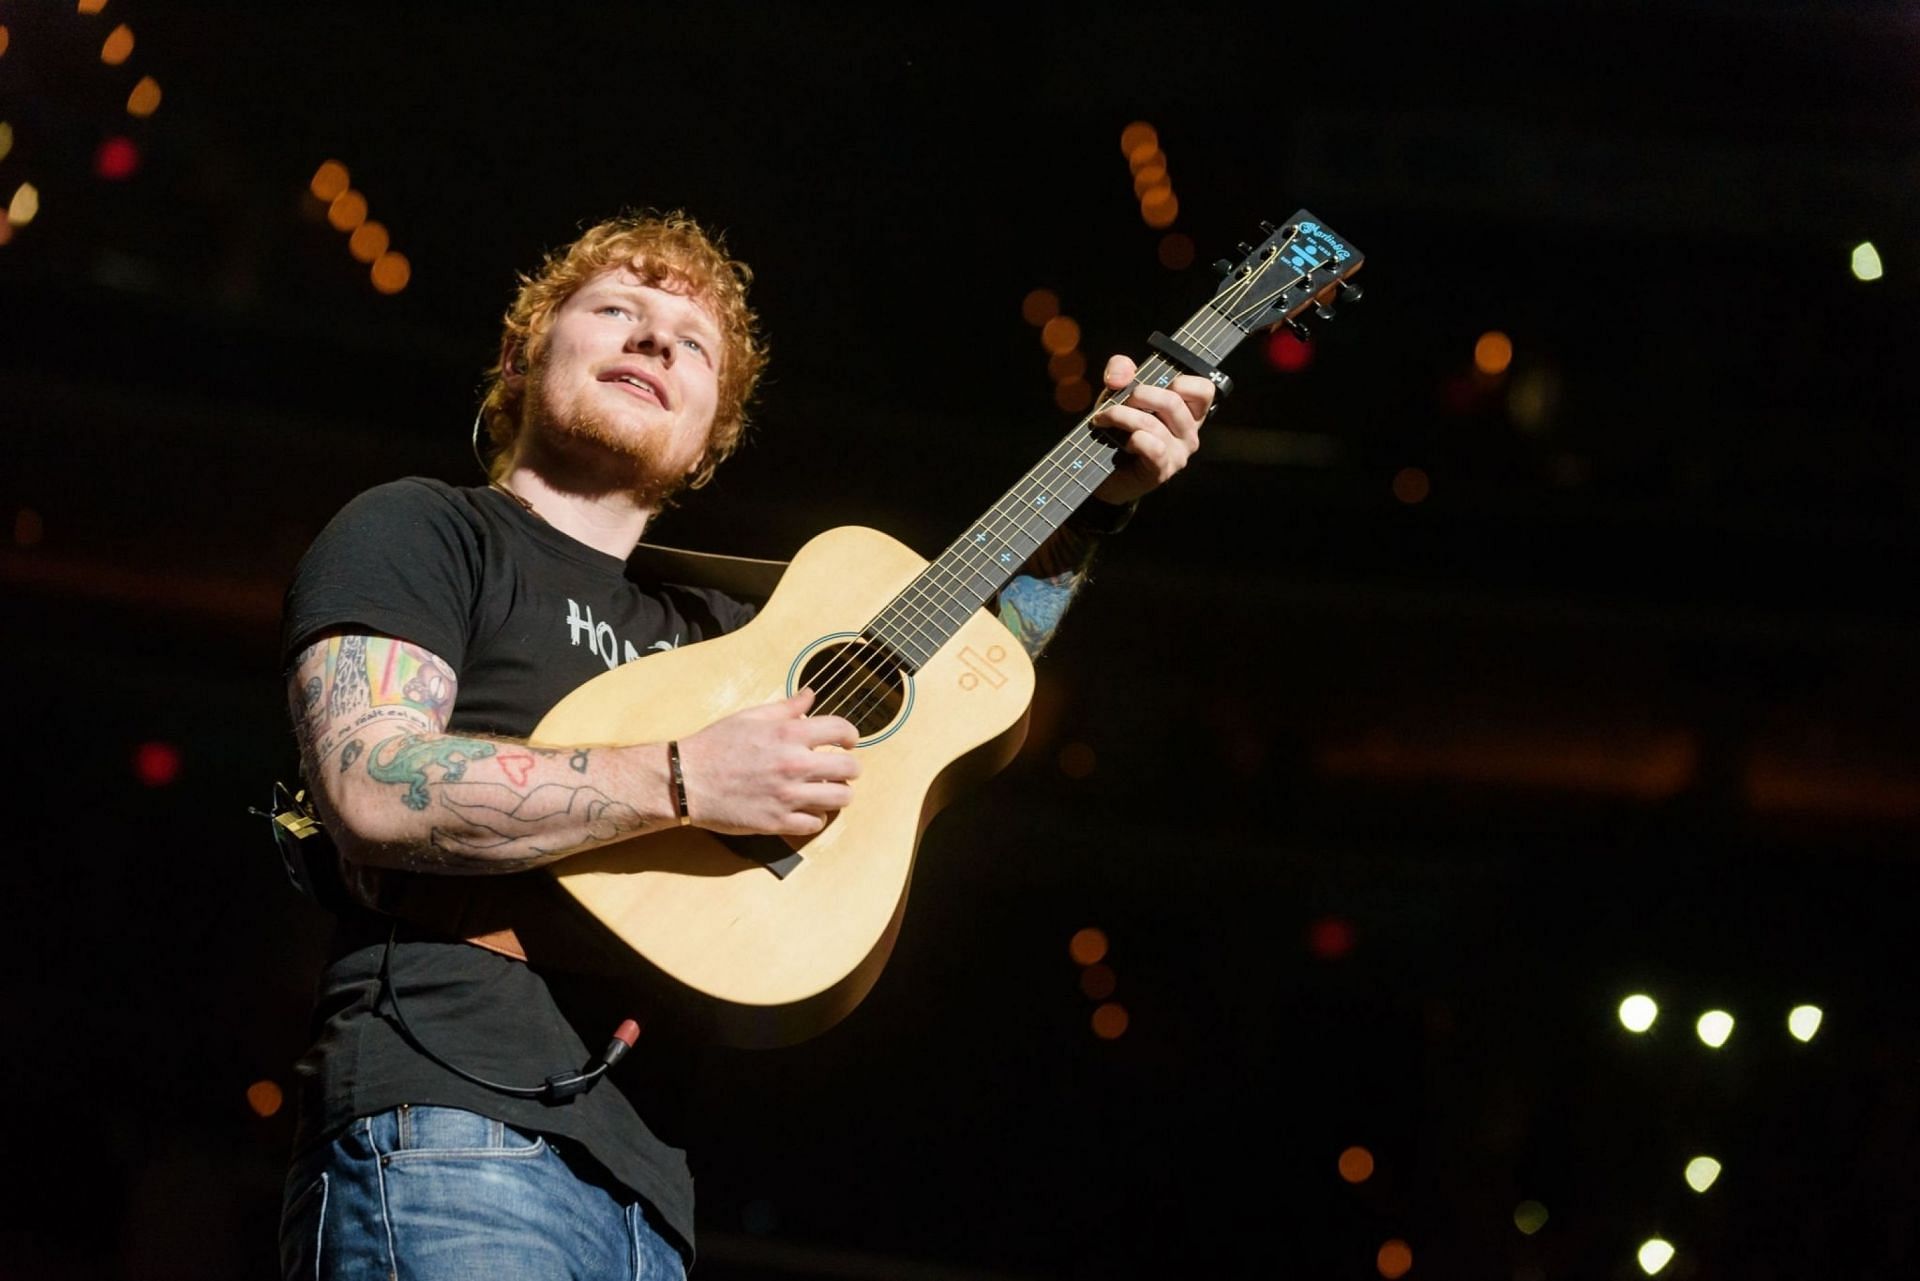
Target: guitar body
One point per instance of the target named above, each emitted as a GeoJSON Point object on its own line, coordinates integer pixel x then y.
{"type": "Point", "coordinates": [764, 957]}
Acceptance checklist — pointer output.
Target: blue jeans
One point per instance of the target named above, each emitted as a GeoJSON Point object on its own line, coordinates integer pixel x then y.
{"type": "Point", "coordinates": [438, 1194]}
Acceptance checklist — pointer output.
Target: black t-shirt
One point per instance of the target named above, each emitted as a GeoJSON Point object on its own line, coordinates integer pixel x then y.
{"type": "Point", "coordinates": [523, 615]}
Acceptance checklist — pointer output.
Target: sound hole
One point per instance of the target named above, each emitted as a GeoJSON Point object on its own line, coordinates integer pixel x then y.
{"type": "Point", "coordinates": [859, 680]}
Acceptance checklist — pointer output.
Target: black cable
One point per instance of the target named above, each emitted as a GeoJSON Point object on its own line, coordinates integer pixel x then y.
{"type": "Point", "coordinates": [558, 1088]}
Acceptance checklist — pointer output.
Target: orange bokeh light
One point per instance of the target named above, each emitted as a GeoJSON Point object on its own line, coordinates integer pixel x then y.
{"type": "Point", "coordinates": [91, 6]}
{"type": "Point", "coordinates": [1110, 1021]}
{"type": "Point", "coordinates": [1136, 135]}
{"type": "Point", "coordinates": [118, 46]}
{"type": "Point", "coordinates": [1146, 179]}
{"type": "Point", "coordinates": [1160, 208]}
{"type": "Point", "coordinates": [1067, 365]}
{"type": "Point", "coordinates": [369, 241]}
{"type": "Point", "coordinates": [1493, 353]}
{"type": "Point", "coordinates": [265, 1098]}
{"type": "Point", "coordinates": [145, 98]}
{"type": "Point", "coordinates": [391, 272]}
{"type": "Point", "coordinates": [1073, 395]}
{"type": "Point", "coordinates": [1039, 306]}
{"type": "Point", "coordinates": [1098, 982]}
{"type": "Point", "coordinates": [1411, 485]}
{"type": "Point", "coordinates": [330, 180]}
{"type": "Point", "coordinates": [1394, 1260]}
{"type": "Point", "coordinates": [1060, 335]}
{"type": "Point", "coordinates": [1088, 946]}
{"type": "Point", "coordinates": [347, 211]}
{"type": "Point", "coordinates": [1356, 1165]}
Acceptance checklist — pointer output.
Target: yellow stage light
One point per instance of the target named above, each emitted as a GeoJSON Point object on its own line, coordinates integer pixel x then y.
{"type": "Point", "coordinates": [1714, 1027]}
{"type": "Point", "coordinates": [1638, 1012]}
{"type": "Point", "coordinates": [1803, 1021]}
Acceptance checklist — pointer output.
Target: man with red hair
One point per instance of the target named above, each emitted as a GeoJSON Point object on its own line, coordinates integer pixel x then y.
{"type": "Point", "coordinates": [427, 632]}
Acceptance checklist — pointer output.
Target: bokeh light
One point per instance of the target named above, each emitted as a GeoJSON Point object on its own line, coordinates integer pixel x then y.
{"type": "Point", "coordinates": [1701, 1172]}
{"type": "Point", "coordinates": [25, 205]}
{"type": "Point", "coordinates": [145, 98]}
{"type": "Point", "coordinates": [1714, 1027]}
{"type": "Point", "coordinates": [91, 6]}
{"type": "Point", "coordinates": [391, 272]}
{"type": "Point", "coordinates": [1394, 1260]}
{"type": "Point", "coordinates": [1412, 485]}
{"type": "Point", "coordinates": [1061, 334]}
{"type": "Point", "coordinates": [1287, 353]}
{"type": "Point", "coordinates": [1077, 760]}
{"type": "Point", "coordinates": [1356, 1165]}
{"type": "Point", "coordinates": [1529, 1217]}
{"type": "Point", "coordinates": [1803, 1021]}
{"type": "Point", "coordinates": [347, 210]}
{"type": "Point", "coordinates": [156, 764]}
{"type": "Point", "coordinates": [1098, 982]}
{"type": "Point", "coordinates": [1088, 946]}
{"type": "Point", "coordinates": [1330, 938]}
{"type": "Point", "coordinates": [1638, 1012]}
{"type": "Point", "coordinates": [116, 159]}
{"type": "Point", "coordinates": [1866, 262]}
{"type": "Point", "coordinates": [1493, 353]}
{"type": "Point", "coordinates": [1039, 306]}
{"type": "Point", "coordinates": [6, 139]}
{"type": "Point", "coordinates": [1110, 1021]}
{"type": "Point", "coordinates": [1137, 135]}
{"type": "Point", "coordinates": [330, 180]}
{"type": "Point", "coordinates": [1068, 364]}
{"type": "Point", "coordinates": [265, 1098]}
{"type": "Point", "coordinates": [369, 241]}
{"type": "Point", "coordinates": [1074, 395]}
{"type": "Point", "coordinates": [118, 46]}
{"type": "Point", "coordinates": [1654, 1255]}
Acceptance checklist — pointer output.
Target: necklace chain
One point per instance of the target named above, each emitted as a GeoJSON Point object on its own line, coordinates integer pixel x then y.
{"type": "Point", "coordinates": [531, 510]}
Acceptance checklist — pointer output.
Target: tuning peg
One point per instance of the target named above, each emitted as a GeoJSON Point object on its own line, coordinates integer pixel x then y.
{"type": "Point", "coordinates": [1246, 250]}
{"type": "Point", "coordinates": [1267, 228]}
{"type": "Point", "coordinates": [1350, 292]}
{"type": "Point", "coordinates": [1299, 330]}
{"type": "Point", "coordinates": [1223, 267]}
{"type": "Point", "coordinates": [1324, 310]}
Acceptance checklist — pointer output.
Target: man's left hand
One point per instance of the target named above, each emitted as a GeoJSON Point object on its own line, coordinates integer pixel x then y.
{"type": "Point", "coordinates": [1163, 426]}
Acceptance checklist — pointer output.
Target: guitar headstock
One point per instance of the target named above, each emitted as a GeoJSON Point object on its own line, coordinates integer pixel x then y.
{"type": "Point", "coordinates": [1302, 263]}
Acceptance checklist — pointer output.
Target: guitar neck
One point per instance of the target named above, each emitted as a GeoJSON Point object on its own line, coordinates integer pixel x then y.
{"type": "Point", "coordinates": [977, 564]}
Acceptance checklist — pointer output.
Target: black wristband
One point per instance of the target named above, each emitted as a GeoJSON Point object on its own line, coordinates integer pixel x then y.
{"type": "Point", "coordinates": [1097, 517]}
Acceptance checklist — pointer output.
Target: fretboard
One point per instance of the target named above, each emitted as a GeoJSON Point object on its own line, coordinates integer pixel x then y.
{"type": "Point", "coordinates": [973, 569]}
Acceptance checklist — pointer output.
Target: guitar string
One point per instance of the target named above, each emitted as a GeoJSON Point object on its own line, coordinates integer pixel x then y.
{"type": "Point", "coordinates": [875, 690]}
{"type": "Point", "coordinates": [1065, 464]}
{"type": "Point", "coordinates": [855, 678]}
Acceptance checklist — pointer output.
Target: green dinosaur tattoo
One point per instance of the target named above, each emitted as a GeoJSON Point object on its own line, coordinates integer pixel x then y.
{"type": "Point", "coordinates": [413, 753]}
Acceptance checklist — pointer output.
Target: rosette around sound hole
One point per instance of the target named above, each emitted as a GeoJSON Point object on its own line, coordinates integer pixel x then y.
{"type": "Point", "coordinates": [858, 679]}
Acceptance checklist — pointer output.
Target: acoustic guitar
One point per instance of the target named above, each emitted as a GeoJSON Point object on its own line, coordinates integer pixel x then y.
{"type": "Point", "coordinates": [770, 940]}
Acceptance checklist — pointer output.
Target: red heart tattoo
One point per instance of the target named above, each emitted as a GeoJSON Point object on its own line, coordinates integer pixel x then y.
{"type": "Point", "coordinates": [517, 767]}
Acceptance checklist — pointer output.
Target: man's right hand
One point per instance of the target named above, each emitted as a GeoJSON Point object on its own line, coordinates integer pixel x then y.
{"type": "Point", "coordinates": [764, 770]}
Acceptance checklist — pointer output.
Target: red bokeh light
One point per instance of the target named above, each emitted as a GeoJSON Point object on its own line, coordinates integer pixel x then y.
{"type": "Point", "coordinates": [116, 160]}
{"type": "Point", "coordinates": [156, 764]}
{"type": "Point", "coordinates": [1287, 353]}
{"type": "Point", "coordinates": [1330, 938]}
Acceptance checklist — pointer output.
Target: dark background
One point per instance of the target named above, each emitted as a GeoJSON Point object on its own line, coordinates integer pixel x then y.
{"type": "Point", "coordinates": [1624, 704]}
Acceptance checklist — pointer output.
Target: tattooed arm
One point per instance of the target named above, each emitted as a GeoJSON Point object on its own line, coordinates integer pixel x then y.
{"type": "Point", "coordinates": [397, 790]}
{"type": "Point", "coordinates": [1034, 600]}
